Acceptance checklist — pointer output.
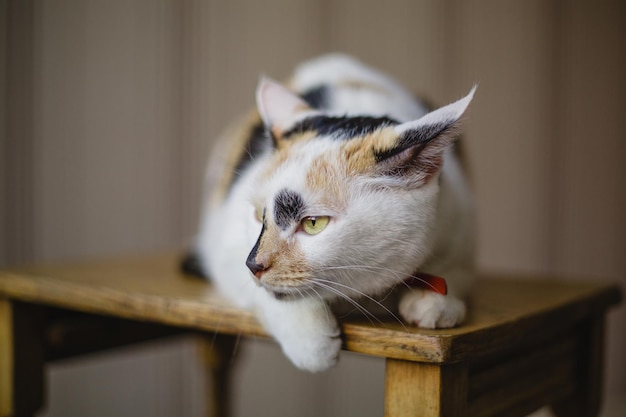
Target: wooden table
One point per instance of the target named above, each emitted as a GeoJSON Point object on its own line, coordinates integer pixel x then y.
{"type": "Point", "coordinates": [526, 344]}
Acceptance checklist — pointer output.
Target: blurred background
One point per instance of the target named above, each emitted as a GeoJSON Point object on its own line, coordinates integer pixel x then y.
{"type": "Point", "coordinates": [108, 109]}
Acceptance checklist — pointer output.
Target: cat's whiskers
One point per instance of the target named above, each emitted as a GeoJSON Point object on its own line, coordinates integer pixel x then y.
{"type": "Point", "coordinates": [350, 300]}
{"type": "Point", "coordinates": [364, 295]}
{"type": "Point", "coordinates": [244, 284]}
{"type": "Point", "coordinates": [364, 267]}
{"type": "Point", "coordinates": [216, 334]}
{"type": "Point", "coordinates": [344, 269]}
{"type": "Point", "coordinates": [312, 289]}
{"type": "Point", "coordinates": [402, 281]}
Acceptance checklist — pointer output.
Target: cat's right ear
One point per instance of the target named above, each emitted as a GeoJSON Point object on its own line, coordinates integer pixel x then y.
{"type": "Point", "coordinates": [278, 106]}
{"type": "Point", "coordinates": [417, 153]}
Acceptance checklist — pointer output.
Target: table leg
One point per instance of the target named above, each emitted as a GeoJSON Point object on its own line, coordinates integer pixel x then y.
{"type": "Point", "coordinates": [217, 354]}
{"type": "Point", "coordinates": [21, 359]}
{"type": "Point", "coordinates": [588, 394]}
{"type": "Point", "coordinates": [425, 390]}
{"type": "Point", "coordinates": [6, 358]}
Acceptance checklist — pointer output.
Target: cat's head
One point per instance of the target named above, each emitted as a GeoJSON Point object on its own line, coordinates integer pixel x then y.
{"type": "Point", "coordinates": [345, 204]}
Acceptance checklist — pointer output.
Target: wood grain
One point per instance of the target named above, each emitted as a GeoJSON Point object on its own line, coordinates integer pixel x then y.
{"type": "Point", "coordinates": [526, 343]}
{"type": "Point", "coordinates": [217, 357]}
{"type": "Point", "coordinates": [6, 358]}
{"type": "Point", "coordinates": [425, 390]}
{"type": "Point", "coordinates": [502, 312]}
{"type": "Point", "coordinates": [520, 383]}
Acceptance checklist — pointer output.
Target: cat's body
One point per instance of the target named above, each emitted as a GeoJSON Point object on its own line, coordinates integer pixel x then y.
{"type": "Point", "coordinates": [344, 194]}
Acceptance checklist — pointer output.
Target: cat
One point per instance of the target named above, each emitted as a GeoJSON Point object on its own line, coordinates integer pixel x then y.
{"type": "Point", "coordinates": [338, 187]}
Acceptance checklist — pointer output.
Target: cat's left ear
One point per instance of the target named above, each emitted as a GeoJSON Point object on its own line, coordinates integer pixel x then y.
{"type": "Point", "coordinates": [278, 106]}
{"type": "Point", "coordinates": [418, 149]}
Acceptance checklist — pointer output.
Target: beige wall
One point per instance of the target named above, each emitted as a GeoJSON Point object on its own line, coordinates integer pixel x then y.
{"type": "Point", "coordinates": [3, 133]}
{"type": "Point", "coordinates": [108, 109]}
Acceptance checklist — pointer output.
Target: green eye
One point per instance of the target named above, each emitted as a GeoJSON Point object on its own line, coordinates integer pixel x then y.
{"type": "Point", "coordinates": [314, 224]}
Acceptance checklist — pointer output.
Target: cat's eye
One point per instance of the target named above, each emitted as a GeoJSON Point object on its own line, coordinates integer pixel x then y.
{"type": "Point", "coordinates": [314, 224]}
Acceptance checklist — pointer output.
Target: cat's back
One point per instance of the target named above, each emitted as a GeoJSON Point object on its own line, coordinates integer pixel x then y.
{"type": "Point", "coordinates": [344, 85]}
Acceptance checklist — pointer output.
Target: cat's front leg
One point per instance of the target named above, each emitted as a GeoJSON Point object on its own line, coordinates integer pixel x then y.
{"type": "Point", "coordinates": [306, 330]}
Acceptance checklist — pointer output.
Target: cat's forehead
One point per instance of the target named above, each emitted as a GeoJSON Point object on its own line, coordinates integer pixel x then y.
{"type": "Point", "coordinates": [308, 167]}
{"type": "Point", "coordinates": [317, 141]}
{"type": "Point", "coordinates": [319, 158]}
{"type": "Point", "coordinates": [312, 174]}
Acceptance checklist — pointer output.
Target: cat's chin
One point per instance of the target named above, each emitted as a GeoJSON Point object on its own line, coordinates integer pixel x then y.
{"type": "Point", "coordinates": [286, 295]}
{"type": "Point", "coordinates": [283, 296]}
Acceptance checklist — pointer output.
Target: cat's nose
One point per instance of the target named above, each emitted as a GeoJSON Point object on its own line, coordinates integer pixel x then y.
{"type": "Point", "coordinates": [256, 269]}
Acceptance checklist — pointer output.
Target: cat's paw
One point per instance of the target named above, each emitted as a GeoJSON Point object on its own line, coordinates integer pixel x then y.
{"type": "Point", "coordinates": [430, 310]}
{"type": "Point", "coordinates": [305, 329]}
{"type": "Point", "coordinates": [313, 352]}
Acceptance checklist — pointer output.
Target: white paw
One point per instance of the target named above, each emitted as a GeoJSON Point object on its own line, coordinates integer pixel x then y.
{"type": "Point", "coordinates": [313, 352]}
{"type": "Point", "coordinates": [306, 330]}
{"type": "Point", "coordinates": [430, 310]}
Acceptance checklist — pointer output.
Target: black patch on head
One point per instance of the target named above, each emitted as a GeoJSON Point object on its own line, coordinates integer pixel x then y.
{"type": "Point", "coordinates": [288, 208]}
{"type": "Point", "coordinates": [340, 127]}
{"type": "Point", "coordinates": [260, 139]}
{"type": "Point", "coordinates": [316, 97]}
{"type": "Point", "coordinates": [418, 138]}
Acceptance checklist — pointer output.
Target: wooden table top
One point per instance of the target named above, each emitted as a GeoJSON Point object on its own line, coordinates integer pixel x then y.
{"type": "Point", "coordinates": [502, 312]}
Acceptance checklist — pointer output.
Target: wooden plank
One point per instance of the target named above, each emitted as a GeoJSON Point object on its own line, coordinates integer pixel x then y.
{"type": "Point", "coordinates": [70, 334]}
{"type": "Point", "coordinates": [586, 399]}
{"type": "Point", "coordinates": [216, 354]}
{"type": "Point", "coordinates": [503, 313]}
{"type": "Point", "coordinates": [115, 289]}
{"type": "Point", "coordinates": [425, 390]}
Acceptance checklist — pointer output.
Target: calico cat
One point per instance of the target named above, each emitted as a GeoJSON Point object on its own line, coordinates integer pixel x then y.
{"type": "Point", "coordinates": [338, 187]}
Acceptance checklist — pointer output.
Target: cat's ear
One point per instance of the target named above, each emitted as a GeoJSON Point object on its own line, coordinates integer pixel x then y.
{"type": "Point", "coordinates": [418, 150]}
{"type": "Point", "coordinates": [278, 106]}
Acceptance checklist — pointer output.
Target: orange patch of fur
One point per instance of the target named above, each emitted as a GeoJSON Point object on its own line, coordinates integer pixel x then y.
{"type": "Point", "coordinates": [359, 154]}
{"type": "Point", "coordinates": [324, 178]}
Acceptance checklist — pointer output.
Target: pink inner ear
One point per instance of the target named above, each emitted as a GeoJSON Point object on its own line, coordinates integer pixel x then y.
{"type": "Point", "coordinates": [277, 105]}
{"type": "Point", "coordinates": [417, 164]}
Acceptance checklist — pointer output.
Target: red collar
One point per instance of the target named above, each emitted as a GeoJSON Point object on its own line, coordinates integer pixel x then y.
{"type": "Point", "coordinates": [427, 282]}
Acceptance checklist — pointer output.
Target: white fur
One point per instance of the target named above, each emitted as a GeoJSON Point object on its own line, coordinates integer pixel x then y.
{"type": "Point", "coordinates": [452, 111]}
{"type": "Point", "coordinates": [390, 99]}
{"type": "Point", "coordinates": [378, 235]}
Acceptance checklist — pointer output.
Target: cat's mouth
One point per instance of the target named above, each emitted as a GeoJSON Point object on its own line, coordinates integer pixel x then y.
{"type": "Point", "coordinates": [281, 295]}
{"type": "Point", "coordinates": [286, 294]}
